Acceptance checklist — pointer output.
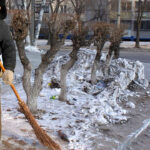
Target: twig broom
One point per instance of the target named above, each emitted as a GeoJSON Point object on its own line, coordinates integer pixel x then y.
{"type": "Point", "coordinates": [39, 132]}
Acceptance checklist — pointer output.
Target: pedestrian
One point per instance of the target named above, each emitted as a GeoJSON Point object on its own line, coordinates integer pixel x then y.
{"type": "Point", "coordinates": [7, 47]}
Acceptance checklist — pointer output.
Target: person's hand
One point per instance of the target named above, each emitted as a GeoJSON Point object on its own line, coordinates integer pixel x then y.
{"type": "Point", "coordinates": [8, 77]}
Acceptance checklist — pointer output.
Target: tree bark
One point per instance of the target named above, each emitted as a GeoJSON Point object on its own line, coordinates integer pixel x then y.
{"type": "Point", "coordinates": [96, 62]}
{"type": "Point", "coordinates": [48, 41]}
{"type": "Point", "coordinates": [138, 25]}
{"type": "Point", "coordinates": [46, 60]}
{"type": "Point", "coordinates": [108, 61]}
{"type": "Point", "coordinates": [37, 32]}
{"type": "Point", "coordinates": [32, 92]}
{"type": "Point", "coordinates": [141, 6]}
{"type": "Point", "coordinates": [94, 69]}
{"type": "Point", "coordinates": [64, 70]}
{"type": "Point", "coordinates": [32, 33]}
{"type": "Point", "coordinates": [26, 75]}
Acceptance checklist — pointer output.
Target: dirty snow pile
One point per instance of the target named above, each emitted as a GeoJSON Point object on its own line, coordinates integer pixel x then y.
{"type": "Point", "coordinates": [89, 105]}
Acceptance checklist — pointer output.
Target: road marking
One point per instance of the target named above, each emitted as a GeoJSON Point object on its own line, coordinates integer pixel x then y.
{"type": "Point", "coordinates": [134, 135]}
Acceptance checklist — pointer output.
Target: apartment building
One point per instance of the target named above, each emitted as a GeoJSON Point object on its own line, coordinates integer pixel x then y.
{"type": "Point", "coordinates": [129, 11]}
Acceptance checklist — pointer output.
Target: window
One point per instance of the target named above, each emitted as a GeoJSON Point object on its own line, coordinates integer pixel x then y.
{"type": "Point", "coordinates": [63, 9]}
{"type": "Point", "coordinates": [46, 9]}
{"type": "Point", "coordinates": [126, 6]}
{"type": "Point", "coordinates": [146, 7]}
{"type": "Point", "coordinates": [114, 5]}
{"type": "Point", "coordinates": [145, 25]}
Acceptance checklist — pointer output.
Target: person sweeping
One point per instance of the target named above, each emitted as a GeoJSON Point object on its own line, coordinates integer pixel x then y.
{"type": "Point", "coordinates": [7, 47]}
{"type": "Point", "coordinates": [8, 51]}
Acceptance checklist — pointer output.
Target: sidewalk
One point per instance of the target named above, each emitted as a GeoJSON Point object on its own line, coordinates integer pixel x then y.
{"type": "Point", "coordinates": [125, 46]}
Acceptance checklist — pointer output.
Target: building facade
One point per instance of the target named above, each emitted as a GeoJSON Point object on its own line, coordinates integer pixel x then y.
{"type": "Point", "coordinates": [107, 11]}
{"type": "Point", "coordinates": [129, 12]}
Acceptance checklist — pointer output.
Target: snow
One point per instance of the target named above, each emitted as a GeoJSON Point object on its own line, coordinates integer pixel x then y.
{"type": "Point", "coordinates": [30, 48]}
{"type": "Point", "coordinates": [100, 104]}
{"type": "Point", "coordinates": [68, 43]}
{"type": "Point", "coordinates": [130, 105]}
{"type": "Point", "coordinates": [41, 42]}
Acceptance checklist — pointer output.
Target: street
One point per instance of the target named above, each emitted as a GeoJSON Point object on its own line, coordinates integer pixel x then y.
{"type": "Point", "coordinates": [136, 55]}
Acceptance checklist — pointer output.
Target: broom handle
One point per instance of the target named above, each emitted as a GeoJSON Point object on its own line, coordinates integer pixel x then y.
{"type": "Point", "coordinates": [12, 85]}
{"type": "Point", "coordinates": [40, 133]}
{"type": "Point", "coordinates": [0, 116]}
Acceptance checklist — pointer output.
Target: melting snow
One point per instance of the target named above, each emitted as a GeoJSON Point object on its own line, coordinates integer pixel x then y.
{"type": "Point", "coordinates": [98, 104]}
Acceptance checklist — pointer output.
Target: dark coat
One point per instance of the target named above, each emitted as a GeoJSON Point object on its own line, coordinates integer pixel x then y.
{"type": "Point", "coordinates": [7, 47]}
{"type": "Point", "coordinates": [3, 11]}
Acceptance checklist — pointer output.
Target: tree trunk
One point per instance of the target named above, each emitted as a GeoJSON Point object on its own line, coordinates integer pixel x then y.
{"type": "Point", "coordinates": [116, 49]}
{"type": "Point", "coordinates": [141, 6]}
{"type": "Point", "coordinates": [64, 70]}
{"type": "Point", "coordinates": [32, 103]}
{"type": "Point", "coordinates": [38, 79]}
{"type": "Point", "coordinates": [27, 73]}
{"type": "Point", "coordinates": [32, 92]}
{"type": "Point", "coordinates": [96, 63]}
{"type": "Point", "coordinates": [138, 34]}
{"type": "Point", "coordinates": [108, 61]}
{"type": "Point", "coordinates": [32, 33]}
{"type": "Point", "coordinates": [40, 21]}
{"type": "Point", "coordinates": [28, 38]}
{"type": "Point", "coordinates": [139, 17]}
{"type": "Point", "coordinates": [93, 73]}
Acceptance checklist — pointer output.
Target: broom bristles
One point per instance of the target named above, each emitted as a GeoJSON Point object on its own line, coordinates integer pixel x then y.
{"type": "Point", "coordinates": [39, 132]}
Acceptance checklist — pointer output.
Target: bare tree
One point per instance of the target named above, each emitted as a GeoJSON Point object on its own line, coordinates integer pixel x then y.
{"type": "Point", "coordinates": [116, 34]}
{"type": "Point", "coordinates": [56, 25]}
{"type": "Point", "coordinates": [141, 6]}
{"type": "Point", "coordinates": [101, 32]}
{"type": "Point", "coordinates": [99, 10]}
{"type": "Point", "coordinates": [79, 34]}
